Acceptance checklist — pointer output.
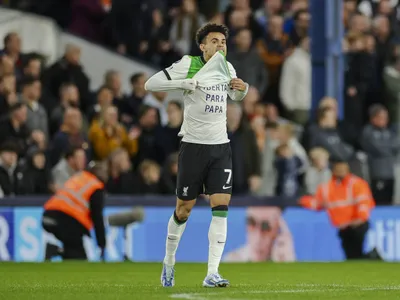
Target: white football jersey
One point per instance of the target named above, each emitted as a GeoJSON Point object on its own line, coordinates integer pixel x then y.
{"type": "Point", "coordinates": [205, 109]}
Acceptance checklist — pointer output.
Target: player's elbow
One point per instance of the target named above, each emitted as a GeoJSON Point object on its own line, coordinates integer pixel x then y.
{"type": "Point", "coordinates": [148, 86]}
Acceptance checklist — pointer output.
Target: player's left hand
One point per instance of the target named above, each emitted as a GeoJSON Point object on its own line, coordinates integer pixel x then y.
{"type": "Point", "coordinates": [237, 84]}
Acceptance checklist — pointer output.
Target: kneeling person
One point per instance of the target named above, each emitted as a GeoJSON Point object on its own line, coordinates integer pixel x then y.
{"type": "Point", "coordinates": [75, 209]}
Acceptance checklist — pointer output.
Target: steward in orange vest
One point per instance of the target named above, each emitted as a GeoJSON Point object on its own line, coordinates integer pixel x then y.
{"type": "Point", "coordinates": [74, 210]}
{"type": "Point", "coordinates": [348, 201]}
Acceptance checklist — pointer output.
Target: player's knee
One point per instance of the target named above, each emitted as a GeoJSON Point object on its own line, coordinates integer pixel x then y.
{"type": "Point", "coordinates": [220, 199]}
{"type": "Point", "coordinates": [183, 212]}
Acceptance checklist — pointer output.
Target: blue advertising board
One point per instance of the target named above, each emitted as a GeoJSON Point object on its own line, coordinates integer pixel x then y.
{"type": "Point", "coordinates": [300, 235]}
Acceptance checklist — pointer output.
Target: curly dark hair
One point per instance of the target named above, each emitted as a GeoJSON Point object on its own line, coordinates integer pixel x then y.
{"type": "Point", "coordinates": [203, 31]}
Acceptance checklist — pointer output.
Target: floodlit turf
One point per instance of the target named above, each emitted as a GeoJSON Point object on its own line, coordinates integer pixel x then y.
{"type": "Point", "coordinates": [74, 280]}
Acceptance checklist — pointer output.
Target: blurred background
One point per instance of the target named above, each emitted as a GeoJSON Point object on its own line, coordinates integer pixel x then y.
{"type": "Point", "coordinates": [324, 85]}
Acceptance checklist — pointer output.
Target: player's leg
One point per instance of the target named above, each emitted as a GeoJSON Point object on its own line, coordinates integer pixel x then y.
{"type": "Point", "coordinates": [176, 227]}
{"type": "Point", "coordinates": [219, 187]}
{"type": "Point", "coordinates": [189, 183]}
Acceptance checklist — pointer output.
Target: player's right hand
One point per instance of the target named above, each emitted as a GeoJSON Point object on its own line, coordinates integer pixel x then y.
{"type": "Point", "coordinates": [189, 84]}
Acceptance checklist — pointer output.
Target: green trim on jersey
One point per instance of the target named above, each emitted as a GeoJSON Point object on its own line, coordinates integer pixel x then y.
{"type": "Point", "coordinates": [196, 64]}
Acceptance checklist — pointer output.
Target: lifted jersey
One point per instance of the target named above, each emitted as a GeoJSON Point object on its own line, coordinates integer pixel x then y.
{"type": "Point", "coordinates": [205, 109]}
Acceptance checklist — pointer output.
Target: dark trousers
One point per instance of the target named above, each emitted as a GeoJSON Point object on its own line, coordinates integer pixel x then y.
{"type": "Point", "coordinates": [382, 190]}
{"type": "Point", "coordinates": [69, 231]}
{"type": "Point", "coordinates": [353, 240]}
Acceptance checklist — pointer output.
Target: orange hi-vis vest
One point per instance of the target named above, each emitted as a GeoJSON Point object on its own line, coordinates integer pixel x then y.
{"type": "Point", "coordinates": [74, 197]}
{"type": "Point", "coordinates": [345, 201]}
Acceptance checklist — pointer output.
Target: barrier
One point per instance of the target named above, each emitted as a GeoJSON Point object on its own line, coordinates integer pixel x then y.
{"type": "Point", "coordinates": [255, 233]}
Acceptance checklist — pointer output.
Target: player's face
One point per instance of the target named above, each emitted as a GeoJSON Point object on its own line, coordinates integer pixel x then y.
{"type": "Point", "coordinates": [215, 41]}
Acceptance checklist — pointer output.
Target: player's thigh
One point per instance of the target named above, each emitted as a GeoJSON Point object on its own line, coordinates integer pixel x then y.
{"type": "Point", "coordinates": [219, 177]}
{"type": "Point", "coordinates": [192, 162]}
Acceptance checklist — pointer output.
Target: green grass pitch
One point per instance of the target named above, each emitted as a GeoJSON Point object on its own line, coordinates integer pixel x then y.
{"type": "Point", "coordinates": [120, 281]}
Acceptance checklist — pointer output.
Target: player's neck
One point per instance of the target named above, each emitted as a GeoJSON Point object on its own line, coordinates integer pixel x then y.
{"type": "Point", "coordinates": [204, 59]}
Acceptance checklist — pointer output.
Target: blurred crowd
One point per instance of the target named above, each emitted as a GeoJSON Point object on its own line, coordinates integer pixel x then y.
{"type": "Point", "coordinates": [53, 124]}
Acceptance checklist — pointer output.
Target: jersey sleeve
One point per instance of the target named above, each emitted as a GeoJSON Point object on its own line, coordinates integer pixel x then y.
{"type": "Point", "coordinates": [179, 69]}
{"type": "Point", "coordinates": [234, 94]}
{"type": "Point", "coordinates": [170, 78]}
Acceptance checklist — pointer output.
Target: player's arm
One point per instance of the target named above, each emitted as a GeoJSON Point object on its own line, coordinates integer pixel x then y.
{"type": "Point", "coordinates": [172, 78]}
{"type": "Point", "coordinates": [237, 88]}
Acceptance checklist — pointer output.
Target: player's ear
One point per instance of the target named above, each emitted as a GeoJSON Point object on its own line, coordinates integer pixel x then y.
{"type": "Point", "coordinates": [202, 47]}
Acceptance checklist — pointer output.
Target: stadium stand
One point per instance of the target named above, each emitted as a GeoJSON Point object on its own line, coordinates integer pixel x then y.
{"type": "Point", "coordinates": [60, 92]}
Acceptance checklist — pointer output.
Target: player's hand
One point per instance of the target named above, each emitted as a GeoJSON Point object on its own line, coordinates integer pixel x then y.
{"type": "Point", "coordinates": [238, 84]}
{"type": "Point", "coordinates": [189, 84]}
{"type": "Point", "coordinates": [356, 223]}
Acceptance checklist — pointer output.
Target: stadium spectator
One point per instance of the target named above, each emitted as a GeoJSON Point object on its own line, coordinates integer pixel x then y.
{"type": "Point", "coordinates": [286, 137]}
{"type": "Point", "coordinates": [32, 66]}
{"type": "Point", "coordinates": [272, 117]}
{"type": "Point", "coordinates": [345, 128]}
{"type": "Point", "coordinates": [158, 100]}
{"type": "Point", "coordinates": [14, 128]}
{"type": "Point", "coordinates": [8, 95]}
{"type": "Point", "coordinates": [326, 135]}
{"type": "Point", "coordinates": [382, 146]}
{"type": "Point", "coordinates": [68, 69]}
{"type": "Point", "coordinates": [391, 75]}
{"type": "Point", "coordinates": [169, 174]}
{"type": "Point", "coordinates": [130, 110]}
{"type": "Point", "coordinates": [160, 50]}
{"type": "Point", "coordinates": [37, 115]}
{"type": "Point", "coordinates": [319, 171]}
{"type": "Point", "coordinates": [245, 154]}
{"type": "Point", "coordinates": [258, 126]}
{"type": "Point", "coordinates": [273, 50]}
{"type": "Point", "coordinates": [7, 65]}
{"type": "Point", "coordinates": [38, 173]}
{"type": "Point", "coordinates": [239, 15]}
{"type": "Point", "coordinates": [268, 172]}
{"type": "Point", "coordinates": [301, 23]}
{"type": "Point", "coordinates": [106, 134]}
{"type": "Point", "coordinates": [250, 101]}
{"type": "Point", "coordinates": [295, 88]}
{"type": "Point", "coordinates": [128, 23]}
{"type": "Point", "coordinates": [70, 135]}
{"type": "Point", "coordinates": [147, 178]}
{"type": "Point", "coordinates": [148, 124]}
{"type": "Point", "coordinates": [104, 100]}
{"type": "Point", "coordinates": [112, 81]}
{"type": "Point", "coordinates": [288, 166]}
{"type": "Point", "coordinates": [12, 49]}
{"type": "Point", "coordinates": [167, 136]}
{"type": "Point", "coordinates": [184, 27]}
{"type": "Point", "coordinates": [69, 97]}
{"type": "Point", "coordinates": [121, 180]}
{"type": "Point", "coordinates": [270, 8]}
{"type": "Point", "coordinates": [248, 64]}
{"type": "Point", "coordinates": [74, 161]}
{"type": "Point", "coordinates": [357, 77]}
{"type": "Point", "coordinates": [13, 177]}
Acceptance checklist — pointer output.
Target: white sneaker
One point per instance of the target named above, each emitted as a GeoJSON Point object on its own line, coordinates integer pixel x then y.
{"type": "Point", "coordinates": [215, 280]}
{"type": "Point", "coordinates": [168, 276]}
